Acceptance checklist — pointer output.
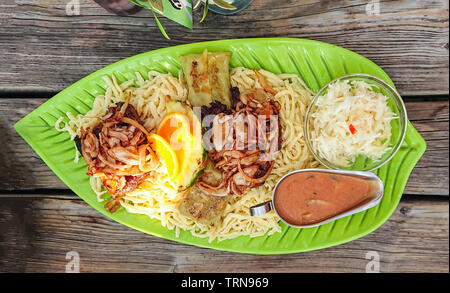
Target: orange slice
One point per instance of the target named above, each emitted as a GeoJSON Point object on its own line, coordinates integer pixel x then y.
{"type": "Point", "coordinates": [176, 130]}
{"type": "Point", "coordinates": [165, 154]}
{"type": "Point", "coordinates": [171, 123]}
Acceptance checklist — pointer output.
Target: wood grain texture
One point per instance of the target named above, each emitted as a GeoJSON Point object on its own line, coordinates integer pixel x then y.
{"type": "Point", "coordinates": [46, 50]}
{"type": "Point", "coordinates": [431, 174]}
{"type": "Point", "coordinates": [36, 234]}
{"type": "Point", "coordinates": [22, 169]}
{"type": "Point", "coordinates": [43, 51]}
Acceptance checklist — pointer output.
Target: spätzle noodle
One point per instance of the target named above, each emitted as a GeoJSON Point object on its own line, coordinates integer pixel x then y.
{"type": "Point", "coordinates": [158, 198]}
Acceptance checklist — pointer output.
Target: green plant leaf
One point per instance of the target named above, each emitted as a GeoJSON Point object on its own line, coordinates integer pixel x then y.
{"type": "Point", "coordinates": [205, 10]}
{"type": "Point", "coordinates": [224, 5]}
{"type": "Point", "coordinates": [161, 28]}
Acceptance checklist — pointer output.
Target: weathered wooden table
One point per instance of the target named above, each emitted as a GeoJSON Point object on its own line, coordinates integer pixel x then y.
{"type": "Point", "coordinates": [43, 50]}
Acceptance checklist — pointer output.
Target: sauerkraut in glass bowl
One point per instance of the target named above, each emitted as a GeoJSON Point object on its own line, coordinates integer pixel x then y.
{"type": "Point", "coordinates": [355, 122]}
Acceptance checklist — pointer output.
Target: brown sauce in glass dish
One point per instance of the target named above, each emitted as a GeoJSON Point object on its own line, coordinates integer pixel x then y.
{"type": "Point", "coordinates": [306, 198]}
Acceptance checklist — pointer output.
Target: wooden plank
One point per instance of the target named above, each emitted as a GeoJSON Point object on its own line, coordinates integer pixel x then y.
{"type": "Point", "coordinates": [431, 174]}
{"type": "Point", "coordinates": [22, 169]}
{"type": "Point", "coordinates": [46, 50]}
{"type": "Point", "coordinates": [37, 233]}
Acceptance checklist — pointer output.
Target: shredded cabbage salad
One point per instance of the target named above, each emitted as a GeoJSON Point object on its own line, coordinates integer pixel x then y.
{"type": "Point", "coordinates": [351, 120]}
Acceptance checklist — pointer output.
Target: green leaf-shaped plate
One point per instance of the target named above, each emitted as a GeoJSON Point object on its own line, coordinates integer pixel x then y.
{"type": "Point", "coordinates": [315, 62]}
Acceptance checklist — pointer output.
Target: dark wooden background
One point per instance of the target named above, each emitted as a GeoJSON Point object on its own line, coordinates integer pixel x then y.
{"type": "Point", "coordinates": [43, 50]}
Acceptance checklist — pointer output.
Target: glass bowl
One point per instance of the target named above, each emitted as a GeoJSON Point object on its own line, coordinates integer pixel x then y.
{"type": "Point", "coordinates": [398, 125]}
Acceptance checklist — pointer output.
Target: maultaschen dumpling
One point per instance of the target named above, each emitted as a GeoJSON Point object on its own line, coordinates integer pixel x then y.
{"type": "Point", "coordinates": [207, 77]}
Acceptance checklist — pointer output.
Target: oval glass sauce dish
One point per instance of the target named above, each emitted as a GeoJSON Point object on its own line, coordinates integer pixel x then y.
{"type": "Point", "coordinates": [312, 197]}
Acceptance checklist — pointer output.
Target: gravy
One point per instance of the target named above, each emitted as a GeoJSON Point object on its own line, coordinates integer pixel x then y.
{"type": "Point", "coordinates": [307, 198]}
